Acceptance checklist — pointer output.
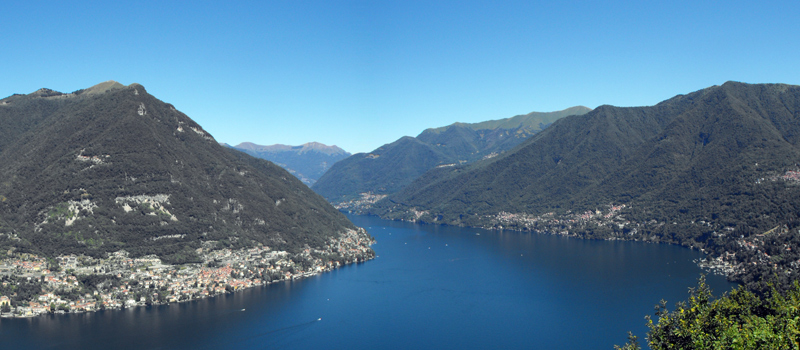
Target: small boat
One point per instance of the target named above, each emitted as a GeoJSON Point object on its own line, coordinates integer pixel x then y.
{"type": "Point", "coordinates": [319, 319]}
{"type": "Point", "coordinates": [242, 309]}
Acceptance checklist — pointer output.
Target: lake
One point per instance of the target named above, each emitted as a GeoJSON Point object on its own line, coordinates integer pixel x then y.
{"type": "Point", "coordinates": [431, 287]}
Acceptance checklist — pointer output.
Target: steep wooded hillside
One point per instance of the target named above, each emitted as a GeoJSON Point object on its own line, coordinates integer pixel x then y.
{"type": "Point", "coordinates": [393, 166]}
{"type": "Point", "coordinates": [706, 170]}
{"type": "Point", "coordinates": [112, 167]}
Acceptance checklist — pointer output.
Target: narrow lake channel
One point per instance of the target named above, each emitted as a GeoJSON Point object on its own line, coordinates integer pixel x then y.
{"type": "Point", "coordinates": [431, 287]}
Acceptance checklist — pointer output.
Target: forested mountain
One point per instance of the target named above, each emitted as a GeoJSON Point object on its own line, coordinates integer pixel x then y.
{"type": "Point", "coordinates": [393, 166]}
{"type": "Point", "coordinates": [112, 167]}
{"type": "Point", "coordinates": [714, 169]}
{"type": "Point", "coordinates": [307, 162]}
{"type": "Point", "coordinates": [534, 121]}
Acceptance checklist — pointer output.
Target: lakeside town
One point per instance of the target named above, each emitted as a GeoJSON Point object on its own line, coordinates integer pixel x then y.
{"type": "Point", "coordinates": [33, 285]}
{"type": "Point", "coordinates": [359, 205]}
{"type": "Point", "coordinates": [775, 252]}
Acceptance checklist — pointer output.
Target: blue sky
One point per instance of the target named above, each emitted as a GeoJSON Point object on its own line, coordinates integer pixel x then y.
{"type": "Point", "coordinates": [359, 74]}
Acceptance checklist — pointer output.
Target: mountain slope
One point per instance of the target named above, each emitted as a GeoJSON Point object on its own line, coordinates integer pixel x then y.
{"type": "Point", "coordinates": [112, 167]}
{"type": "Point", "coordinates": [705, 169]}
{"type": "Point", "coordinates": [574, 154]}
{"type": "Point", "coordinates": [393, 166]}
{"type": "Point", "coordinates": [307, 162]}
{"type": "Point", "coordinates": [536, 121]}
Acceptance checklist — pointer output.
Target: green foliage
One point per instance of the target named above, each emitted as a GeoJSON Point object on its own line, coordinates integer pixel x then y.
{"type": "Point", "coordinates": [739, 320]}
{"type": "Point", "coordinates": [706, 168]}
{"type": "Point", "coordinates": [184, 256]}
{"type": "Point", "coordinates": [60, 211]}
{"type": "Point", "coordinates": [101, 149]}
{"type": "Point", "coordinates": [535, 121]}
{"type": "Point", "coordinates": [20, 289]}
{"type": "Point", "coordinates": [70, 294]}
{"type": "Point", "coordinates": [385, 170]}
{"type": "Point", "coordinates": [93, 282]}
{"type": "Point", "coordinates": [394, 166]}
{"type": "Point", "coordinates": [632, 344]}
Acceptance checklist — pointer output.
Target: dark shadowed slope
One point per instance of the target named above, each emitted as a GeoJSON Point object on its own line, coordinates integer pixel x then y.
{"type": "Point", "coordinates": [707, 169]}
{"type": "Point", "coordinates": [393, 166]}
{"type": "Point", "coordinates": [112, 167]}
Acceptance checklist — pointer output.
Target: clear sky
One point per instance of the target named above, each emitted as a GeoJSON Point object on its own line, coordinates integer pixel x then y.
{"type": "Point", "coordinates": [359, 74]}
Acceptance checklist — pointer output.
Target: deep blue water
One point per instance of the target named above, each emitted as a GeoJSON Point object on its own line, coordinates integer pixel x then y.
{"type": "Point", "coordinates": [431, 287]}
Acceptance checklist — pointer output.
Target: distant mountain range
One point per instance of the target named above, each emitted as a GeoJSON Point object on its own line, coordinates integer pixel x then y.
{"type": "Point", "coordinates": [307, 162]}
{"type": "Point", "coordinates": [393, 166]}
{"type": "Point", "coordinates": [715, 169]}
{"type": "Point", "coordinates": [113, 168]}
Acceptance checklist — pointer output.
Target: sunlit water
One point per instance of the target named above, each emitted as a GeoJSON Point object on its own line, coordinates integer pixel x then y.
{"type": "Point", "coordinates": [431, 287]}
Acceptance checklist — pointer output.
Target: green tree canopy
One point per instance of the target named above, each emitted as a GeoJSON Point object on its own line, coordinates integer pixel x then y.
{"type": "Point", "coordinates": [739, 320]}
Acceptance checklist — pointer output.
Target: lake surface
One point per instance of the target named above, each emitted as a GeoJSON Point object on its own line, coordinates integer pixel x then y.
{"type": "Point", "coordinates": [431, 287]}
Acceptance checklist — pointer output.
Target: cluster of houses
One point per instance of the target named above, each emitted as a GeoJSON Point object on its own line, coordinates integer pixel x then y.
{"type": "Point", "coordinates": [562, 224]}
{"type": "Point", "coordinates": [81, 283]}
{"type": "Point", "coordinates": [755, 250]}
{"type": "Point", "coordinates": [791, 175]}
{"type": "Point", "coordinates": [366, 201]}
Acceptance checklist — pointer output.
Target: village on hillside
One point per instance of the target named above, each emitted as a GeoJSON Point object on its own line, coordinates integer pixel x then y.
{"type": "Point", "coordinates": [33, 285]}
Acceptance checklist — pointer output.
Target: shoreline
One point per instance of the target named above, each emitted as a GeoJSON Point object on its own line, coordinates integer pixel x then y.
{"type": "Point", "coordinates": [154, 304]}
{"type": "Point", "coordinates": [607, 222]}
{"type": "Point", "coordinates": [77, 284]}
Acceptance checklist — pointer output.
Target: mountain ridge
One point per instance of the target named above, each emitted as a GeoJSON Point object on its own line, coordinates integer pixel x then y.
{"type": "Point", "coordinates": [308, 162]}
{"type": "Point", "coordinates": [711, 169]}
{"type": "Point", "coordinates": [395, 165]}
{"type": "Point", "coordinates": [531, 119]}
{"type": "Point", "coordinates": [112, 167]}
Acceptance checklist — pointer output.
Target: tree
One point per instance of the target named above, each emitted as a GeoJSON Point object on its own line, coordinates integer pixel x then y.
{"type": "Point", "coordinates": [632, 344]}
{"type": "Point", "coordinates": [739, 320]}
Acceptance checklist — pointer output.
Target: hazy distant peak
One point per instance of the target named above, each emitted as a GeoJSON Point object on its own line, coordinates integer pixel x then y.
{"type": "Point", "coordinates": [307, 162]}
{"type": "Point", "coordinates": [256, 147]}
{"type": "Point", "coordinates": [246, 145]}
{"type": "Point", "coordinates": [306, 147]}
{"type": "Point", "coordinates": [320, 147]}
